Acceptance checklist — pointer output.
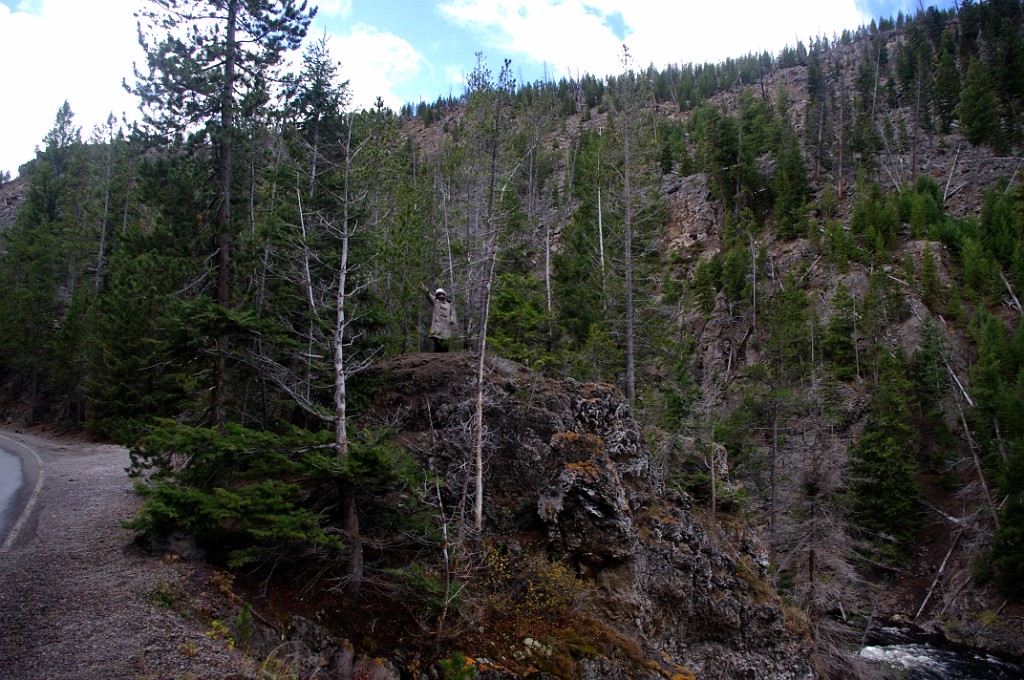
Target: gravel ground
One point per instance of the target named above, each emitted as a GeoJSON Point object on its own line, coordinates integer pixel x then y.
{"type": "Point", "coordinates": [78, 600]}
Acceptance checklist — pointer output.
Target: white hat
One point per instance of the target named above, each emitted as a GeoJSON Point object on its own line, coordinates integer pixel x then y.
{"type": "Point", "coordinates": [440, 291]}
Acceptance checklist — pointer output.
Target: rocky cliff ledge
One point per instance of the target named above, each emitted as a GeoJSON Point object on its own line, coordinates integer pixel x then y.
{"type": "Point", "coordinates": [568, 474]}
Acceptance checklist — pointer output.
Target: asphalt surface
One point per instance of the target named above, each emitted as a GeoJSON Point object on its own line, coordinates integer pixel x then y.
{"type": "Point", "coordinates": [21, 478]}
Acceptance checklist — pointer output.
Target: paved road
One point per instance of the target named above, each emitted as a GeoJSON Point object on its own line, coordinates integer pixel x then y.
{"type": "Point", "coordinates": [21, 477]}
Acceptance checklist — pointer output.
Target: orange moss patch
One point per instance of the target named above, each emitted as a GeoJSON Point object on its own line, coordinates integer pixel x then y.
{"type": "Point", "coordinates": [587, 469]}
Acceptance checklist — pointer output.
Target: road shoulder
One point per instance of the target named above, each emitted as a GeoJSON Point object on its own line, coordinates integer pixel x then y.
{"type": "Point", "coordinates": [79, 600]}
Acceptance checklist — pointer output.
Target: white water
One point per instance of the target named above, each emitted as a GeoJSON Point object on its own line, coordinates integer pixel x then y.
{"type": "Point", "coordinates": [922, 660]}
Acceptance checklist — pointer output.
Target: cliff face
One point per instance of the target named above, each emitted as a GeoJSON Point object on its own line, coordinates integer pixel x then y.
{"type": "Point", "coordinates": [568, 473]}
{"type": "Point", "coordinates": [12, 196]}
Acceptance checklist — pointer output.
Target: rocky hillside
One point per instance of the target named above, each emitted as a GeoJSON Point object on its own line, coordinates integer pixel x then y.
{"type": "Point", "coordinates": [12, 195]}
{"type": "Point", "coordinates": [802, 269]}
{"type": "Point", "coordinates": [939, 587]}
{"type": "Point", "coordinates": [570, 477]}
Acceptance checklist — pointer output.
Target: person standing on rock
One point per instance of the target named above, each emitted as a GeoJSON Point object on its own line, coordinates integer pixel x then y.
{"type": "Point", "coordinates": [443, 324]}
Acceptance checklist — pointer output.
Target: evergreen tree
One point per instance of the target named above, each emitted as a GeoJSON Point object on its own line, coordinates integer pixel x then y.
{"type": "Point", "coordinates": [979, 269]}
{"type": "Point", "coordinates": [736, 283]}
{"type": "Point", "coordinates": [316, 99]}
{"type": "Point", "coordinates": [839, 342]}
{"type": "Point", "coordinates": [930, 381]}
{"type": "Point", "coordinates": [519, 323]}
{"type": "Point", "coordinates": [208, 60]}
{"type": "Point", "coordinates": [818, 122]}
{"type": "Point", "coordinates": [947, 82]}
{"type": "Point", "coordinates": [789, 318]}
{"type": "Point", "coordinates": [707, 281]}
{"type": "Point", "coordinates": [931, 288]}
{"type": "Point", "coordinates": [717, 140]}
{"type": "Point", "coordinates": [1006, 65]}
{"type": "Point", "coordinates": [791, 188]}
{"type": "Point", "coordinates": [132, 371]}
{"type": "Point", "coordinates": [38, 263]}
{"type": "Point", "coordinates": [979, 108]}
{"type": "Point", "coordinates": [1000, 225]}
{"type": "Point", "coordinates": [875, 217]}
{"type": "Point", "coordinates": [992, 370]}
{"type": "Point", "coordinates": [882, 484]}
{"type": "Point", "coordinates": [1008, 546]}
{"type": "Point", "coordinates": [759, 132]}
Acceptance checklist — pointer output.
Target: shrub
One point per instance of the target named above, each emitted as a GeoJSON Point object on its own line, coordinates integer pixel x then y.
{"type": "Point", "coordinates": [241, 494]}
{"type": "Point", "coordinates": [527, 593]}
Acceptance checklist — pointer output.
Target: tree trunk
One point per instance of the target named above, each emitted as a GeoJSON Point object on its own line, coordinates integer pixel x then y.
{"type": "Point", "coordinates": [227, 122]}
{"type": "Point", "coordinates": [753, 280]}
{"type": "Point", "coordinates": [478, 503]}
{"type": "Point", "coordinates": [340, 403]}
{"type": "Point", "coordinates": [100, 250]}
{"type": "Point", "coordinates": [842, 136]}
{"type": "Point", "coordinates": [350, 510]}
{"type": "Point", "coordinates": [315, 155]}
{"type": "Point", "coordinates": [977, 468]}
{"type": "Point", "coordinates": [628, 226]}
{"type": "Point", "coordinates": [821, 141]}
{"type": "Point", "coordinates": [547, 263]}
{"type": "Point", "coordinates": [350, 514]}
{"type": "Point", "coordinates": [773, 483]}
{"type": "Point", "coordinates": [714, 483]}
{"type": "Point", "coordinates": [493, 244]}
{"type": "Point", "coordinates": [600, 243]}
{"type": "Point", "coordinates": [917, 126]}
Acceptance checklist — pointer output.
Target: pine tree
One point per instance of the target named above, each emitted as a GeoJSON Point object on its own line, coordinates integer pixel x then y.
{"type": "Point", "coordinates": [979, 108]}
{"type": "Point", "coordinates": [930, 381]}
{"type": "Point", "coordinates": [1006, 64]}
{"type": "Point", "coordinates": [839, 342]}
{"type": "Point", "coordinates": [316, 99]}
{"type": "Point", "coordinates": [979, 269]}
{"type": "Point", "coordinates": [881, 468]}
{"type": "Point", "coordinates": [1000, 225]}
{"type": "Point", "coordinates": [992, 370]}
{"type": "Point", "coordinates": [37, 262]}
{"type": "Point", "coordinates": [931, 288]}
{"type": "Point", "coordinates": [791, 188]}
{"type": "Point", "coordinates": [195, 85]}
{"type": "Point", "coordinates": [626, 101]}
{"type": "Point", "coordinates": [1008, 544]}
{"type": "Point", "coordinates": [789, 318]}
{"type": "Point", "coordinates": [947, 82]}
{"type": "Point", "coordinates": [518, 328]}
{"type": "Point", "coordinates": [132, 371]}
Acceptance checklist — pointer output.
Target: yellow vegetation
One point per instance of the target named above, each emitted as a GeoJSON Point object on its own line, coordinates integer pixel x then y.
{"type": "Point", "coordinates": [587, 469]}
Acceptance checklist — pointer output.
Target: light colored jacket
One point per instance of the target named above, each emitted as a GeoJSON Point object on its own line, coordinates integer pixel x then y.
{"type": "Point", "coordinates": [443, 323]}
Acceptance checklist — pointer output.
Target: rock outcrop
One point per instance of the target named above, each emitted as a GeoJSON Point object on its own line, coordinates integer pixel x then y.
{"type": "Point", "coordinates": [568, 472]}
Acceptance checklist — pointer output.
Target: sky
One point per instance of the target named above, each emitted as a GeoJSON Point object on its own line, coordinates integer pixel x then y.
{"type": "Point", "coordinates": [403, 51]}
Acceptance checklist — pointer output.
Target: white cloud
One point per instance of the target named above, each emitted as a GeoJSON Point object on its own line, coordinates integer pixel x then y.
{"type": "Point", "coordinates": [455, 74]}
{"type": "Point", "coordinates": [62, 50]}
{"type": "Point", "coordinates": [539, 30]}
{"type": "Point", "coordinates": [376, 63]}
{"type": "Point", "coordinates": [713, 32]}
{"type": "Point", "coordinates": [341, 9]}
{"type": "Point", "coordinates": [580, 36]}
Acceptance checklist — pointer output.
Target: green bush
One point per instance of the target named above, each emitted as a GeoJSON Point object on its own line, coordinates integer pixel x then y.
{"type": "Point", "coordinates": [240, 493]}
{"type": "Point", "coordinates": [456, 667]}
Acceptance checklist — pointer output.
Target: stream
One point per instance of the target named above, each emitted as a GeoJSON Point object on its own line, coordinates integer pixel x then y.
{"type": "Point", "coordinates": [930, 657]}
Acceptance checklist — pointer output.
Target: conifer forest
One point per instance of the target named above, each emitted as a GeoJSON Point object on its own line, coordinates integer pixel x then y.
{"type": "Point", "coordinates": [801, 272]}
